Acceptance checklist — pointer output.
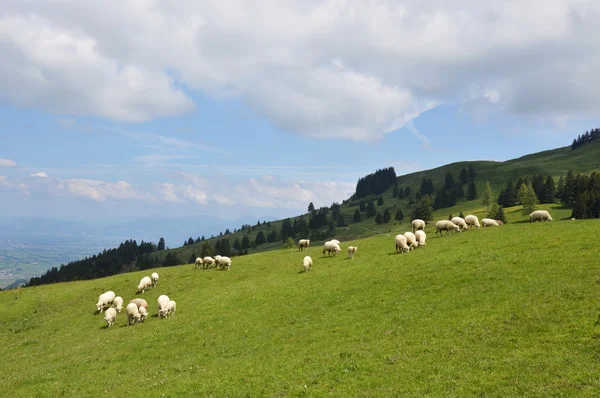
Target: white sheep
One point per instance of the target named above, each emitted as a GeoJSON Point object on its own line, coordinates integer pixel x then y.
{"type": "Point", "coordinates": [224, 262]}
{"type": "Point", "coordinates": [462, 224]}
{"type": "Point", "coordinates": [207, 262]}
{"type": "Point", "coordinates": [401, 244]}
{"type": "Point", "coordinates": [331, 247]}
{"type": "Point", "coordinates": [163, 301]}
{"type": "Point", "coordinates": [421, 236]}
{"type": "Point", "coordinates": [445, 225]}
{"type": "Point", "coordinates": [411, 239]}
{"type": "Point", "coordinates": [307, 263]}
{"type": "Point", "coordinates": [417, 224]}
{"type": "Point", "coordinates": [118, 303]}
{"type": "Point", "coordinates": [154, 279]}
{"type": "Point", "coordinates": [105, 299]}
{"type": "Point", "coordinates": [140, 302]}
{"type": "Point", "coordinates": [351, 251]}
{"type": "Point", "coordinates": [303, 244]}
{"type": "Point", "coordinates": [171, 307]}
{"type": "Point", "coordinates": [110, 315]}
{"type": "Point", "coordinates": [335, 241]}
{"type": "Point", "coordinates": [472, 221]}
{"type": "Point", "coordinates": [540, 215]}
{"type": "Point", "coordinates": [143, 313]}
{"type": "Point", "coordinates": [133, 314]}
{"type": "Point", "coordinates": [145, 284]}
{"type": "Point", "coordinates": [198, 262]}
{"type": "Point", "coordinates": [488, 222]}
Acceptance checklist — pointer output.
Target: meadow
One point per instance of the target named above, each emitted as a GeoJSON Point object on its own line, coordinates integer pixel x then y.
{"type": "Point", "coordinates": [506, 311]}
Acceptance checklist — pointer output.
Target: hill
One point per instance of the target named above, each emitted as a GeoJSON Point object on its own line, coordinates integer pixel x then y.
{"type": "Point", "coordinates": [506, 311]}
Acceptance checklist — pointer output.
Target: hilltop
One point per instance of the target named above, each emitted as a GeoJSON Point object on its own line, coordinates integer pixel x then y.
{"type": "Point", "coordinates": [507, 311]}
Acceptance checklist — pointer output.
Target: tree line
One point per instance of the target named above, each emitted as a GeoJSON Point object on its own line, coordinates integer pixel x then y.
{"type": "Point", "coordinates": [586, 138]}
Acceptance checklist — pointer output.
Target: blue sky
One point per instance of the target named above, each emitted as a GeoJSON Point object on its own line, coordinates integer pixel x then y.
{"type": "Point", "coordinates": [226, 110]}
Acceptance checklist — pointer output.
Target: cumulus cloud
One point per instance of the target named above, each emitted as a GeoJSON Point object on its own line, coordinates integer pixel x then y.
{"type": "Point", "coordinates": [41, 174]}
{"type": "Point", "coordinates": [352, 69]}
{"type": "Point", "coordinates": [7, 163]}
{"type": "Point", "coordinates": [101, 190]}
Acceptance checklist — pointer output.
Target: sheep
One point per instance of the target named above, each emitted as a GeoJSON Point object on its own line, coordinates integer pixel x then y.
{"type": "Point", "coordinates": [445, 225]}
{"type": "Point", "coordinates": [460, 222]}
{"type": "Point", "coordinates": [118, 304]}
{"type": "Point", "coordinates": [133, 314]}
{"type": "Point", "coordinates": [141, 303]}
{"type": "Point", "coordinates": [420, 235]}
{"type": "Point", "coordinates": [307, 263]}
{"type": "Point", "coordinates": [472, 221]}
{"type": "Point", "coordinates": [163, 301]}
{"type": "Point", "coordinates": [224, 262]}
{"type": "Point", "coordinates": [171, 307]}
{"type": "Point", "coordinates": [499, 222]}
{"type": "Point", "coordinates": [488, 222]}
{"type": "Point", "coordinates": [411, 240]}
{"type": "Point", "coordinates": [145, 284]}
{"type": "Point", "coordinates": [154, 279]}
{"type": "Point", "coordinates": [351, 251]}
{"type": "Point", "coordinates": [105, 299]}
{"type": "Point", "coordinates": [207, 262]}
{"type": "Point", "coordinates": [331, 247]}
{"type": "Point", "coordinates": [143, 313]}
{"type": "Point", "coordinates": [109, 316]}
{"type": "Point", "coordinates": [303, 244]}
{"type": "Point", "coordinates": [417, 224]}
{"type": "Point", "coordinates": [198, 262]}
{"type": "Point", "coordinates": [540, 215]}
{"type": "Point", "coordinates": [401, 244]}
{"type": "Point", "coordinates": [335, 241]}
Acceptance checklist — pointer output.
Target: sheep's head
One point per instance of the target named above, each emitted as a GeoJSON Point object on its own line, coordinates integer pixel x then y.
{"type": "Point", "coordinates": [550, 218]}
{"type": "Point", "coordinates": [162, 312]}
{"type": "Point", "coordinates": [406, 249]}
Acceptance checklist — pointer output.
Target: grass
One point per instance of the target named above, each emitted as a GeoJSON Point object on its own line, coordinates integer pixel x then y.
{"type": "Point", "coordinates": [506, 312]}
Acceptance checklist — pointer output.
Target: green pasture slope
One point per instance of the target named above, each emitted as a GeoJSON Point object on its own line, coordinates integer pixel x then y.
{"type": "Point", "coordinates": [503, 312]}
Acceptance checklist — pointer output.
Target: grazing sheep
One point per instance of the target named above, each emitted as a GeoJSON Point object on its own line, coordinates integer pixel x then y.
{"type": "Point", "coordinates": [417, 224]}
{"type": "Point", "coordinates": [472, 221]}
{"type": "Point", "coordinates": [331, 247]}
{"type": "Point", "coordinates": [335, 241]}
{"type": "Point", "coordinates": [143, 314]}
{"type": "Point", "coordinates": [110, 315]}
{"type": "Point", "coordinates": [488, 222]}
{"type": "Point", "coordinates": [118, 304]}
{"type": "Point", "coordinates": [154, 279]}
{"type": "Point", "coordinates": [303, 244]}
{"type": "Point", "coordinates": [140, 303]}
{"type": "Point", "coordinates": [171, 307]}
{"type": "Point", "coordinates": [351, 251]}
{"type": "Point", "coordinates": [401, 244]}
{"type": "Point", "coordinates": [198, 262]}
{"type": "Point", "coordinates": [145, 284]}
{"type": "Point", "coordinates": [420, 235]}
{"type": "Point", "coordinates": [445, 225]}
{"type": "Point", "coordinates": [307, 263]}
{"type": "Point", "coordinates": [133, 314]}
{"type": "Point", "coordinates": [105, 299]}
{"type": "Point", "coordinates": [462, 224]}
{"type": "Point", "coordinates": [224, 262]}
{"type": "Point", "coordinates": [207, 262]}
{"type": "Point", "coordinates": [411, 240]}
{"type": "Point", "coordinates": [163, 301]}
{"type": "Point", "coordinates": [499, 222]}
{"type": "Point", "coordinates": [540, 215]}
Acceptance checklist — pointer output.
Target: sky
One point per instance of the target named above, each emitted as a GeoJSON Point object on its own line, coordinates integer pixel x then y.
{"type": "Point", "coordinates": [112, 109]}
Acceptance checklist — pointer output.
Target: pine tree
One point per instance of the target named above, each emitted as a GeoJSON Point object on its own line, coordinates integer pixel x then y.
{"type": "Point", "coordinates": [356, 216]}
{"type": "Point", "coordinates": [362, 206]}
{"type": "Point", "coordinates": [407, 191]}
{"type": "Point", "coordinates": [387, 215]}
{"type": "Point", "coordinates": [488, 196]}
{"type": "Point", "coordinates": [245, 242]}
{"type": "Point", "coordinates": [190, 241]}
{"type": "Point", "coordinates": [399, 215]}
{"type": "Point", "coordinates": [422, 209]}
{"type": "Point", "coordinates": [161, 245]}
{"type": "Point", "coordinates": [528, 199]}
{"type": "Point", "coordinates": [549, 191]}
{"type": "Point", "coordinates": [449, 181]}
{"type": "Point", "coordinates": [472, 173]}
{"type": "Point", "coordinates": [260, 238]}
{"type": "Point", "coordinates": [193, 258]}
{"type": "Point", "coordinates": [371, 210]}
{"type": "Point", "coordinates": [401, 193]}
{"type": "Point", "coordinates": [500, 215]}
{"type": "Point", "coordinates": [378, 218]}
{"type": "Point", "coordinates": [395, 191]}
{"type": "Point", "coordinates": [379, 200]}
{"type": "Point", "coordinates": [463, 177]}
{"type": "Point", "coordinates": [341, 222]}
{"type": "Point", "coordinates": [560, 187]}
{"type": "Point", "coordinates": [450, 217]}
{"type": "Point", "coordinates": [311, 207]}
{"type": "Point", "coordinates": [472, 191]}
{"type": "Point", "coordinates": [461, 215]}
{"type": "Point", "coordinates": [236, 244]}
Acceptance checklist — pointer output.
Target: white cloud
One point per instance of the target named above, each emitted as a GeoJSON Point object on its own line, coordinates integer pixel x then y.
{"type": "Point", "coordinates": [4, 181]}
{"type": "Point", "coordinates": [101, 191]}
{"type": "Point", "coordinates": [7, 163]}
{"type": "Point", "coordinates": [353, 69]}
{"type": "Point", "coordinates": [41, 174]}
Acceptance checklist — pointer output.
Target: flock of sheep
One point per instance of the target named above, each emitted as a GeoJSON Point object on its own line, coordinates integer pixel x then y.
{"type": "Point", "coordinates": [410, 240]}
{"type": "Point", "coordinates": [222, 262]}
{"type": "Point", "coordinates": [137, 309]}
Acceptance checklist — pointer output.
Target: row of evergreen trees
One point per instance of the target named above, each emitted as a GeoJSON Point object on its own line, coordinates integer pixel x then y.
{"type": "Point", "coordinates": [586, 138]}
{"type": "Point", "coordinates": [376, 183]}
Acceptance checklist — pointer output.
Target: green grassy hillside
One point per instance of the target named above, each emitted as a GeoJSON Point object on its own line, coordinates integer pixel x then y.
{"type": "Point", "coordinates": [554, 162]}
{"type": "Point", "coordinates": [507, 311]}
